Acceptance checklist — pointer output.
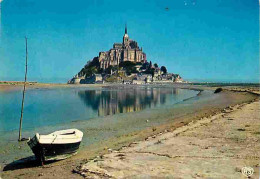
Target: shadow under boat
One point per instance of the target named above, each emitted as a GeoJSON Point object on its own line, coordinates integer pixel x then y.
{"type": "Point", "coordinates": [27, 162]}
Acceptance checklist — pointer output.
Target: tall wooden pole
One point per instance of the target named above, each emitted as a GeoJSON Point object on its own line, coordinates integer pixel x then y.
{"type": "Point", "coordinates": [25, 78]}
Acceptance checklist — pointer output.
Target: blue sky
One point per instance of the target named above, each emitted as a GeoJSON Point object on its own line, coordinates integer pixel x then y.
{"type": "Point", "coordinates": [202, 40]}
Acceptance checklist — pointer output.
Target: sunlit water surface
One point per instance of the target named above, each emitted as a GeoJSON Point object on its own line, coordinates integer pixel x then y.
{"type": "Point", "coordinates": [48, 107]}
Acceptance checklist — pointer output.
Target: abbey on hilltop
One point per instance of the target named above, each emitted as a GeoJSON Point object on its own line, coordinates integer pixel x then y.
{"type": "Point", "coordinates": [124, 63]}
{"type": "Point", "coordinates": [128, 50]}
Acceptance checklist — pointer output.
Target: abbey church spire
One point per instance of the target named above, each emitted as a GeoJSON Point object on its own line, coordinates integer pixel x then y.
{"type": "Point", "coordinates": [126, 39]}
{"type": "Point", "coordinates": [125, 28]}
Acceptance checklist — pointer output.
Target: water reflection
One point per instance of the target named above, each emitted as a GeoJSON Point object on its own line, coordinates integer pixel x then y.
{"type": "Point", "coordinates": [122, 100]}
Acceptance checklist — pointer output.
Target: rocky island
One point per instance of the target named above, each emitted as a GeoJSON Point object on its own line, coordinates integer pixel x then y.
{"type": "Point", "coordinates": [125, 63]}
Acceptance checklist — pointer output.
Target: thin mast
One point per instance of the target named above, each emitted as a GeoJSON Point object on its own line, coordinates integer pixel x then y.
{"type": "Point", "coordinates": [25, 78]}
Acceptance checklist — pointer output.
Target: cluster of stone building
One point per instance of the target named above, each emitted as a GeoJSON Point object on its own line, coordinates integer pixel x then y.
{"type": "Point", "coordinates": [141, 78]}
{"type": "Point", "coordinates": [95, 78]}
{"type": "Point", "coordinates": [134, 78]}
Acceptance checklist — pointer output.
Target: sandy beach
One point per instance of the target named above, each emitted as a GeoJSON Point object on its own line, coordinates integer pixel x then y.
{"type": "Point", "coordinates": [213, 142]}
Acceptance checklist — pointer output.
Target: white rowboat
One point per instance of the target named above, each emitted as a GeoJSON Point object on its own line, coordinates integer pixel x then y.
{"type": "Point", "coordinates": [57, 145]}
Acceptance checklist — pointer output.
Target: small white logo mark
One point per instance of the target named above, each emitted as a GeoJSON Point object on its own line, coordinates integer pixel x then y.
{"type": "Point", "coordinates": [247, 171]}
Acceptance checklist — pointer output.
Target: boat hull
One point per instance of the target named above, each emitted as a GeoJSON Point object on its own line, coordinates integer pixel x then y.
{"type": "Point", "coordinates": [47, 152]}
{"type": "Point", "coordinates": [56, 146]}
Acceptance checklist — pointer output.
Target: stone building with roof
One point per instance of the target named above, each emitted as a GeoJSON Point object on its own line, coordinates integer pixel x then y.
{"type": "Point", "coordinates": [128, 50]}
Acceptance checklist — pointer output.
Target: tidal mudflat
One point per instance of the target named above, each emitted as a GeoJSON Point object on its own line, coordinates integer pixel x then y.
{"type": "Point", "coordinates": [112, 129]}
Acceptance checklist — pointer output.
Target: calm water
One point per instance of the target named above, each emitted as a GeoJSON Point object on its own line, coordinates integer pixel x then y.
{"type": "Point", "coordinates": [49, 107]}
